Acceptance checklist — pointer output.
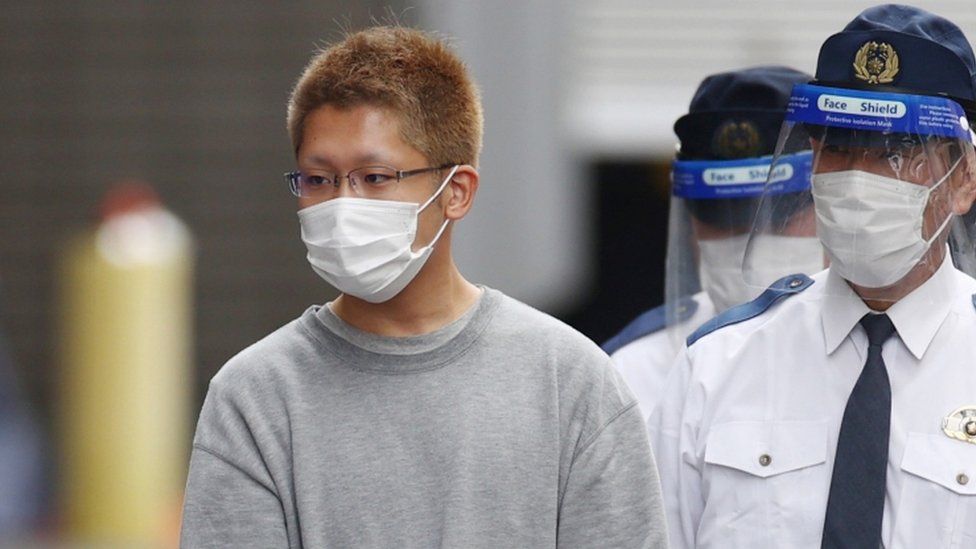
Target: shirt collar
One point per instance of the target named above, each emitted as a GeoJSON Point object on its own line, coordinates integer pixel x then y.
{"type": "Point", "coordinates": [842, 309]}
{"type": "Point", "coordinates": [917, 316]}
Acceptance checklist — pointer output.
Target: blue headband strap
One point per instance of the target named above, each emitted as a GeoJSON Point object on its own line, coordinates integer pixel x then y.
{"type": "Point", "coordinates": [877, 111]}
{"type": "Point", "coordinates": [746, 178]}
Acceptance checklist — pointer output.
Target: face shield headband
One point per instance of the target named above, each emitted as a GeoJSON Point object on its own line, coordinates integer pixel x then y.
{"type": "Point", "coordinates": [878, 112]}
{"type": "Point", "coordinates": [744, 178]}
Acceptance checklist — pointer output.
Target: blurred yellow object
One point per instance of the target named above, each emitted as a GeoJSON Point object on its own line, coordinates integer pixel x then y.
{"type": "Point", "coordinates": [126, 378]}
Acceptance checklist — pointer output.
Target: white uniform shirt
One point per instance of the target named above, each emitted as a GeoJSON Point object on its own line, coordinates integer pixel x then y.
{"type": "Point", "coordinates": [747, 428]}
{"type": "Point", "coordinates": [645, 362]}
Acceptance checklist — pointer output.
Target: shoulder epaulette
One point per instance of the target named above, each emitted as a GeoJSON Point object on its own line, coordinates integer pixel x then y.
{"type": "Point", "coordinates": [649, 322]}
{"type": "Point", "coordinates": [786, 286]}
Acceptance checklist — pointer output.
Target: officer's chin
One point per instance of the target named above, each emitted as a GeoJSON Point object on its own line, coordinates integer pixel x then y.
{"type": "Point", "coordinates": [879, 299]}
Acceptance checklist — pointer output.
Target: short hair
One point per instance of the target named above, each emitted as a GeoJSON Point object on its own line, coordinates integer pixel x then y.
{"type": "Point", "coordinates": [414, 75]}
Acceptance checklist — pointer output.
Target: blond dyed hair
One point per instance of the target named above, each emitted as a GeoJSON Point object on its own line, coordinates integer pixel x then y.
{"type": "Point", "coordinates": [414, 75]}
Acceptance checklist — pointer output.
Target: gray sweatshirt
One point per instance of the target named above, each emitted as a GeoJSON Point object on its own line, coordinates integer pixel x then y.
{"type": "Point", "coordinates": [503, 429]}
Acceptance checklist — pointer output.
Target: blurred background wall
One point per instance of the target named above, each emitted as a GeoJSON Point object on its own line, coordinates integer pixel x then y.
{"type": "Point", "coordinates": [190, 96]}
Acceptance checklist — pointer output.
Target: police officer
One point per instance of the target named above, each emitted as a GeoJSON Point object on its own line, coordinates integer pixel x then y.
{"type": "Point", "coordinates": [840, 409]}
{"type": "Point", "coordinates": [718, 175]}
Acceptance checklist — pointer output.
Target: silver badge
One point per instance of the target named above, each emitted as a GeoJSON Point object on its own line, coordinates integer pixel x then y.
{"type": "Point", "coordinates": [961, 424]}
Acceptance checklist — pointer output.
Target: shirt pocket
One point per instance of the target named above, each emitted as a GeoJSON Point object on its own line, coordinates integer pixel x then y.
{"type": "Point", "coordinates": [765, 478]}
{"type": "Point", "coordinates": [937, 504]}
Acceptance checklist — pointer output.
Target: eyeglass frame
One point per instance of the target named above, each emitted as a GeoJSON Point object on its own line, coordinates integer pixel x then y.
{"type": "Point", "coordinates": [292, 177]}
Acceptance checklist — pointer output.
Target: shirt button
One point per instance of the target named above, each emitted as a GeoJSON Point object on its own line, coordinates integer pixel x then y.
{"type": "Point", "coordinates": [765, 460]}
{"type": "Point", "coordinates": [962, 479]}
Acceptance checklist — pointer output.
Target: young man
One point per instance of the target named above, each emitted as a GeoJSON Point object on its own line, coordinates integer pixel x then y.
{"type": "Point", "coordinates": [840, 410]}
{"type": "Point", "coordinates": [417, 409]}
{"type": "Point", "coordinates": [718, 175]}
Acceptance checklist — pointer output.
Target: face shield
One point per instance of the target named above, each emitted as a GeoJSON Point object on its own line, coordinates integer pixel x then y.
{"type": "Point", "coordinates": [712, 209]}
{"type": "Point", "coordinates": [892, 184]}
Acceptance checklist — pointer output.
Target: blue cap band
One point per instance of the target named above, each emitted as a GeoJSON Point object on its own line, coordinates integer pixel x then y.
{"type": "Point", "coordinates": [746, 178]}
{"type": "Point", "coordinates": [877, 111]}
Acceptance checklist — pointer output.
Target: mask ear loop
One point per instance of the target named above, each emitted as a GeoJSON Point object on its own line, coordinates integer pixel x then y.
{"type": "Point", "coordinates": [441, 188]}
{"type": "Point", "coordinates": [432, 198]}
{"type": "Point", "coordinates": [948, 173]}
{"type": "Point", "coordinates": [928, 243]}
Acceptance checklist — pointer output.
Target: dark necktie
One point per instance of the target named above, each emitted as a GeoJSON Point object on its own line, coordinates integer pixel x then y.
{"type": "Point", "coordinates": [857, 488]}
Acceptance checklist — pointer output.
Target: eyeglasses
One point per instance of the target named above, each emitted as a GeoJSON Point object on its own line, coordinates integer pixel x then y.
{"type": "Point", "coordinates": [378, 182]}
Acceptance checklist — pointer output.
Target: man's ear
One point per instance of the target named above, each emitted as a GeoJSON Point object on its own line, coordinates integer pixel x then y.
{"type": "Point", "coordinates": [964, 182]}
{"type": "Point", "coordinates": [459, 194]}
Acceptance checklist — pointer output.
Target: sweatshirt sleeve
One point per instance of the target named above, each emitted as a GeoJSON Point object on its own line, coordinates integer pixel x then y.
{"type": "Point", "coordinates": [227, 507]}
{"type": "Point", "coordinates": [612, 498]}
{"type": "Point", "coordinates": [231, 499]}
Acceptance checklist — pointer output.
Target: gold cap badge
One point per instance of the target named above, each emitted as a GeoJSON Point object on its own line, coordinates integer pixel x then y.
{"type": "Point", "coordinates": [737, 139]}
{"type": "Point", "coordinates": [876, 63]}
{"type": "Point", "coordinates": [961, 424]}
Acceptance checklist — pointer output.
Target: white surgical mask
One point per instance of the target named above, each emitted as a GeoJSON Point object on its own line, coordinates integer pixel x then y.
{"type": "Point", "coordinates": [720, 265]}
{"type": "Point", "coordinates": [363, 247]}
{"type": "Point", "coordinates": [871, 225]}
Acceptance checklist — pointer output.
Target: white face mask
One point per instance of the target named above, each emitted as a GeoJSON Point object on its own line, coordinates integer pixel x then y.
{"type": "Point", "coordinates": [720, 265]}
{"type": "Point", "coordinates": [363, 247]}
{"type": "Point", "coordinates": [871, 225]}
